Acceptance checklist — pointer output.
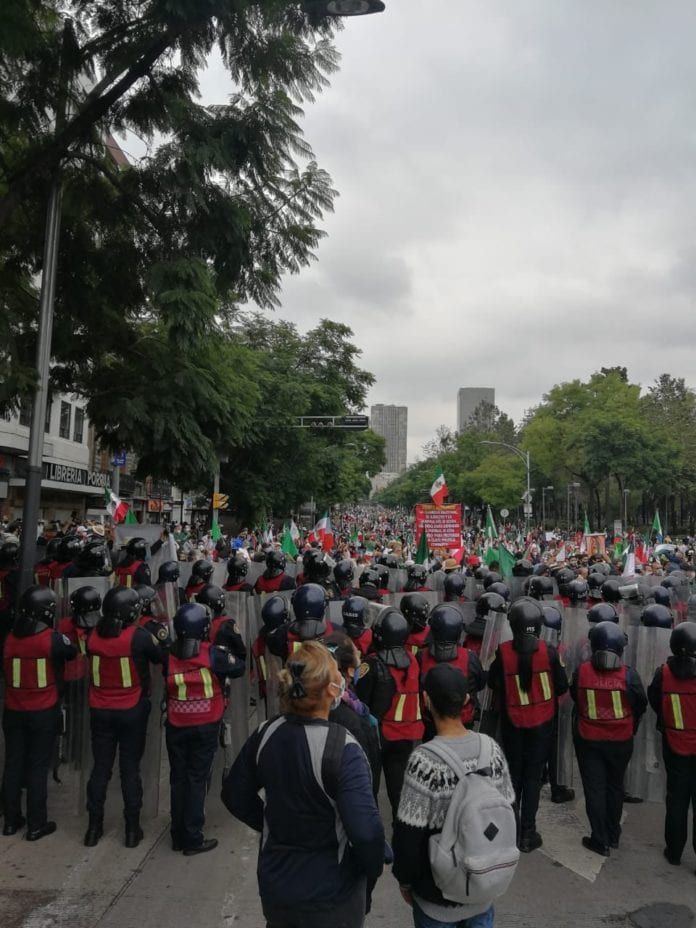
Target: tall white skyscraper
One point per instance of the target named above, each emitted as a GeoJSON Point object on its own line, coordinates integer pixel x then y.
{"type": "Point", "coordinates": [392, 423]}
{"type": "Point", "coordinates": [468, 398]}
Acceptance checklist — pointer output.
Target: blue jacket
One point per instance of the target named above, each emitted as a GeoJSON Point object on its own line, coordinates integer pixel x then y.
{"type": "Point", "coordinates": [315, 847]}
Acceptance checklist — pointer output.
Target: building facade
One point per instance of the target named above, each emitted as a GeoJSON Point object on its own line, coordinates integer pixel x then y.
{"type": "Point", "coordinates": [391, 422]}
{"type": "Point", "coordinates": [468, 399]}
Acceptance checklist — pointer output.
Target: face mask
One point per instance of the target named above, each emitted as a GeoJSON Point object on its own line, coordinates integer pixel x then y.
{"type": "Point", "coordinates": [341, 687]}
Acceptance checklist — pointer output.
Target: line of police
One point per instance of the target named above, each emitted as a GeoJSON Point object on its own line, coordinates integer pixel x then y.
{"type": "Point", "coordinates": [525, 674]}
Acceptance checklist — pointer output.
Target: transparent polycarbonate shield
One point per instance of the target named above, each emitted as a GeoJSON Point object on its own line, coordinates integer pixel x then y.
{"type": "Point", "coordinates": [436, 581]}
{"type": "Point", "coordinates": [516, 586]}
{"type": "Point", "coordinates": [101, 584]}
{"type": "Point", "coordinates": [497, 631]}
{"type": "Point", "coordinates": [468, 611]}
{"type": "Point", "coordinates": [395, 582]}
{"type": "Point", "coordinates": [573, 649]}
{"type": "Point", "coordinates": [166, 552]}
{"type": "Point", "coordinates": [291, 566]}
{"type": "Point", "coordinates": [185, 568]}
{"type": "Point", "coordinates": [219, 577]}
{"type": "Point", "coordinates": [551, 636]}
{"type": "Point", "coordinates": [335, 613]}
{"type": "Point", "coordinates": [151, 765]}
{"type": "Point", "coordinates": [166, 602]}
{"type": "Point", "coordinates": [645, 777]}
{"type": "Point", "coordinates": [256, 568]}
{"type": "Point", "coordinates": [470, 588]}
{"type": "Point", "coordinates": [241, 697]}
{"type": "Point", "coordinates": [237, 604]}
{"type": "Point", "coordinates": [72, 760]}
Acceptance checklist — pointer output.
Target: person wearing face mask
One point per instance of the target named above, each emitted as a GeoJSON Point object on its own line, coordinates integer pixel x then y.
{"type": "Point", "coordinates": [323, 839]}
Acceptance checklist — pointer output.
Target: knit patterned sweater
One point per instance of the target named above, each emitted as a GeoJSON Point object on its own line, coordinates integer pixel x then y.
{"type": "Point", "coordinates": [428, 787]}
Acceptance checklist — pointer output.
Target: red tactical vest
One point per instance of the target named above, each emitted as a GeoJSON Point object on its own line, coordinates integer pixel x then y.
{"type": "Point", "coordinates": [295, 643]}
{"type": "Point", "coordinates": [4, 598]}
{"type": "Point", "coordinates": [193, 590]}
{"type": "Point", "coordinates": [240, 587]}
{"type": "Point", "coordinates": [604, 712]}
{"type": "Point", "coordinates": [267, 585]}
{"type": "Point", "coordinates": [30, 678]}
{"type": "Point", "coordinates": [461, 661]}
{"type": "Point", "coordinates": [679, 712]}
{"type": "Point", "coordinates": [77, 669]}
{"type": "Point", "coordinates": [125, 575]}
{"type": "Point", "coordinates": [471, 643]}
{"type": "Point", "coordinates": [216, 625]}
{"type": "Point", "coordinates": [416, 640]}
{"type": "Point", "coordinates": [56, 569]}
{"type": "Point", "coordinates": [258, 649]}
{"type": "Point", "coordinates": [42, 573]}
{"type": "Point", "coordinates": [194, 694]}
{"type": "Point", "coordinates": [528, 710]}
{"type": "Point", "coordinates": [402, 721]}
{"type": "Point", "coordinates": [363, 641]}
{"type": "Point", "coordinates": [114, 682]}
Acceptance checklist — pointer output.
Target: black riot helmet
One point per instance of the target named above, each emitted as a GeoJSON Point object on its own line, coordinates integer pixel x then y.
{"type": "Point", "coordinates": [9, 553]}
{"type": "Point", "coordinates": [85, 606]}
{"type": "Point", "coordinates": [502, 589]}
{"type": "Point", "coordinates": [391, 562]}
{"type": "Point", "coordinates": [682, 643]}
{"type": "Point", "coordinates": [137, 549]}
{"type": "Point", "coordinates": [355, 612]}
{"type": "Point", "coordinates": [656, 616]}
{"type": "Point", "coordinates": [540, 587]}
{"type": "Point", "coordinates": [552, 617]}
{"type": "Point", "coordinates": [147, 597]}
{"type": "Point", "coordinates": [607, 641]}
{"type": "Point", "coordinates": [576, 590]}
{"type": "Point", "coordinates": [383, 574]}
{"type": "Point", "coordinates": [390, 630]}
{"type": "Point", "coordinates": [661, 595]}
{"type": "Point", "coordinates": [601, 567]}
{"type": "Point", "coordinates": [455, 584]}
{"type": "Point", "coordinates": [191, 626]}
{"type": "Point", "coordinates": [416, 609]}
{"type": "Point", "coordinates": [490, 602]}
{"type": "Point", "coordinates": [343, 573]}
{"type": "Point", "coordinates": [491, 577]}
{"type": "Point", "coordinates": [526, 618]}
{"type": "Point", "coordinates": [212, 597]}
{"type": "Point", "coordinates": [68, 549]}
{"type": "Point", "coordinates": [418, 573]}
{"type": "Point", "coordinates": [316, 567]}
{"type": "Point", "coordinates": [36, 611]}
{"type": "Point", "coordinates": [275, 613]}
{"type": "Point", "coordinates": [369, 577]}
{"type": "Point", "coordinates": [93, 559]}
{"type": "Point", "coordinates": [168, 572]}
{"type": "Point", "coordinates": [237, 568]}
{"type": "Point", "coordinates": [201, 572]}
{"type": "Point", "coordinates": [120, 608]}
{"type": "Point", "coordinates": [446, 624]}
{"type": "Point", "coordinates": [309, 602]}
{"type": "Point", "coordinates": [594, 583]}
{"type": "Point", "coordinates": [275, 563]}
{"type": "Point", "coordinates": [522, 568]}
{"type": "Point", "coordinates": [51, 550]}
{"type": "Point", "coordinates": [564, 576]}
{"type": "Point", "coordinates": [611, 592]}
{"type": "Point", "coordinates": [602, 612]}
{"type": "Point", "coordinates": [481, 572]}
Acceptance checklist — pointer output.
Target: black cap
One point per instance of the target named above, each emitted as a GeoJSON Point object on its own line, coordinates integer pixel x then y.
{"type": "Point", "coordinates": [444, 681]}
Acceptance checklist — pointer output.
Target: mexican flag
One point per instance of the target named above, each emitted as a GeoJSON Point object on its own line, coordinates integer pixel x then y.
{"type": "Point", "coordinates": [294, 531]}
{"type": "Point", "coordinates": [585, 533]}
{"type": "Point", "coordinates": [287, 545]}
{"type": "Point", "coordinates": [116, 508]}
{"type": "Point", "coordinates": [490, 531]}
{"type": "Point", "coordinates": [323, 532]}
{"type": "Point", "coordinates": [629, 561]}
{"type": "Point", "coordinates": [423, 552]}
{"type": "Point", "coordinates": [438, 490]}
{"type": "Point", "coordinates": [657, 528]}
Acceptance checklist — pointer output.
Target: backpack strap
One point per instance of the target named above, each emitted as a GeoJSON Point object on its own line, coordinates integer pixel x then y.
{"type": "Point", "coordinates": [444, 752]}
{"type": "Point", "coordinates": [331, 758]}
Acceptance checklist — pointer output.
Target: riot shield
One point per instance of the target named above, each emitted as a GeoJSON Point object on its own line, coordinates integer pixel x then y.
{"type": "Point", "coordinates": [185, 568]}
{"type": "Point", "coordinates": [256, 568]}
{"type": "Point", "coordinates": [151, 765]}
{"type": "Point", "coordinates": [241, 696]}
{"type": "Point", "coordinates": [335, 613]}
{"type": "Point", "coordinates": [645, 777]}
{"type": "Point", "coordinates": [430, 596]}
{"type": "Point", "coordinates": [166, 603]}
{"type": "Point", "coordinates": [167, 552]}
{"type": "Point", "coordinates": [496, 632]}
{"type": "Point", "coordinates": [516, 586]}
{"type": "Point", "coordinates": [436, 581]}
{"type": "Point", "coordinates": [573, 649]}
{"type": "Point", "coordinates": [219, 573]}
{"type": "Point", "coordinates": [470, 589]}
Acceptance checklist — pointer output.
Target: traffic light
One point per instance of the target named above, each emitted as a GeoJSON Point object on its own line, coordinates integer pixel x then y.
{"type": "Point", "coordinates": [220, 500]}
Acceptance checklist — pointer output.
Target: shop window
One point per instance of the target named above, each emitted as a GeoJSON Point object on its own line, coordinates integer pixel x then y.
{"type": "Point", "coordinates": [64, 430]}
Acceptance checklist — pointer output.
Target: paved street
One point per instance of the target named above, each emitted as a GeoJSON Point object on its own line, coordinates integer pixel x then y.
{"type": "Point", "coordinates": [57, 882]}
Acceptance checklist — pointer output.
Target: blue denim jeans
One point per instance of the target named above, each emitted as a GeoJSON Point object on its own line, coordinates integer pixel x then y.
{"type": "Point", "coordinates": [484, 920]}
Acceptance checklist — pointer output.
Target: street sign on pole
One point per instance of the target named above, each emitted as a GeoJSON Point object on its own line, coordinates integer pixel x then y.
{"type": "Point", "coordinates": [119, 459]}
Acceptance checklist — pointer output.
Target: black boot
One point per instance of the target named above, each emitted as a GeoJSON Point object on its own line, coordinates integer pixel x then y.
{"type": "Point", "coordinates": [134, 833]}
{"type": "Point", "coordinates": [95, 829]}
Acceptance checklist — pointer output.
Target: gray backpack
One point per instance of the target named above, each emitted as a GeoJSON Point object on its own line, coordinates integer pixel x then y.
{"type": "Point", "coordinates": [474, 857]}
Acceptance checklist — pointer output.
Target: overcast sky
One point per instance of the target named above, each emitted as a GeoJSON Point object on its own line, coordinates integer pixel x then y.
{"type": "Point", "coordinates": [518, 197]}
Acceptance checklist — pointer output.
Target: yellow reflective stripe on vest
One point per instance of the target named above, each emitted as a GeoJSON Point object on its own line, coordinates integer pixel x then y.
{"type": "Point", "coordinates": [523, 697]}
{"type": "Point", "coordinates": [16, 672]}
{"type": "Point", "coordinates": [83, 645]}
{"type": "Point", "coordinates": [617, 704]}
{"type": "Point", "coordinates": [129, 580]}
{"type": "Point", "coordinates": [126, 673]}
{"type": "Point", "coordinates": [207, 683]}
{"type": "Point", "coordinates": [96, 677]}
{"type": "Point", "coordinates": [262, 666]}
{"type": "Point", "coordinates": [296, 645]}
{"type": "Point", "coordinates": [545, 685]}
{"type": "Point", "coordinates": [399, 712]}
{"type": "Point", "coordinates": [418, 712]}
{"type": "Point", "coordinates": [180, 687]}
{"type": "Point", "coordinates": [414, 649]}
{"type": "Point", "coordinates": [677, 711]}
{"type": "Point", "coordinates": [41, 673]}
{"type": "Point", "coordinates": [591, 704]}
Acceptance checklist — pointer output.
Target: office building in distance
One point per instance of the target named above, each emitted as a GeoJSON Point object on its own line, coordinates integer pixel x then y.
{"type": "Point", "coordinates": [468, 400]}
{"type": "Point", "coordinates": [391, 422]}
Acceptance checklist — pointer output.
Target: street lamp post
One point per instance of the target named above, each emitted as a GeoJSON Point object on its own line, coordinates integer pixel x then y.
{"type": "Point", "coordinates": [625, 508]}
{"type": "Point", "coordinates": [525, 457]}
{"type": "Point", "coordinates": [543, 505]}
{"type": "Point", "coordinates": [572, 487]}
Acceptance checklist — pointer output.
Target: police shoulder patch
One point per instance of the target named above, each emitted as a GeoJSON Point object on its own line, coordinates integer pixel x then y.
{"type": "Point", "coordinates": [364, 669]}
{"type": "Point", "coordinates": [66, 640]}
{"type": "Point", "coordinates": [162, 634]}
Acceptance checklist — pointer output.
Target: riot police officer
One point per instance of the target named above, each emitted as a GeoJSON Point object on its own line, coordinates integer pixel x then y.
{"type": "Point", "coordinates": [369, 585]}
{"type": "Point", "coordinates": [119, 655]}
{"type": "Point", "coordinates": [455, 584]}
{"type": "Point", "coordinates": [309, 608]}
{"type": "Point", "coordinates": [388, 685]}
{"type": "Point", "coordinates": [156, 625]}
{"type": "Point", "coordinates": [355, 613]}
{"type": "Point", "coordinates": [223, 628]}
{"type": "Point", "coordinates": [487, 604]}
{"type": "Point", "coordinates": [196, 675]}
{"type": "Point", "coordinates": [201, 574]}
{"type": "Point", "coordinates": [42, 568]}
{"type": "Point", "coordinates": [416, 579]}
{"type": "Point", "coordinates": [609, 703]}
{"type": "Point", "coordinates": [272, 638]}
{"type": "Point", "coordinates": [416, 610]}
{"type": "Point", "coordinates": [169, 573]}
{"type": "Point", "coordinates": [68, 549]}
{"type": "Point", "coordinates": [527, 678]}
{"type": "Point", "coordinates": [132, 568]}
{"type": "Point", "coordinates": [92, 560]}
{"type": "Point", "coordinates": [343, 578]}
{"type": "Point", "coordinates": [237, 569]}
{"type": "Point", "coordinates": [274, 579]}
{"type": "Point", "coordinates": [33, 660]}
{"type": "Point", "coordinates": [9, 585]}
{"type": "Point", "coordinates": [317, 569]}
{"type": "Point", "coordinates": [672, 695]}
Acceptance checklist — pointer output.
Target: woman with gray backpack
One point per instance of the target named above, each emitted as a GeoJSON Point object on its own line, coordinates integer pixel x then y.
{"type": "Point", "coordinates": [455, 837]}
